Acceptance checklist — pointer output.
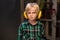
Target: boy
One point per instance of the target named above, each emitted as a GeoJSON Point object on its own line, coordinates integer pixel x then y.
{"type": "Point", "coordinates": [31, 29]}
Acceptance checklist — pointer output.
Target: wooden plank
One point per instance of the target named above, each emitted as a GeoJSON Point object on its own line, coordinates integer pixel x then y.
{"type": "Point", "coordinates": [58, 21]}
{"type": "Point", "coordinates": [22, 9]}
{"type": "Point", "coordinates": [54, 20]}
{"type": "Point", "coordinates": [46, 30]}
{"type": "Point", "coordinates": [45, 19]}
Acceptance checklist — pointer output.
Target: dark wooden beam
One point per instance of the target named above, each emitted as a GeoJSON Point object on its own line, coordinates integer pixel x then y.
{"type": "Point", "coordinates": [22, 10]}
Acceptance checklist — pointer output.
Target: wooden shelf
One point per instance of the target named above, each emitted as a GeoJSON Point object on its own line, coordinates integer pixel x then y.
{"type": "Point", "coordinates": [45, 19]}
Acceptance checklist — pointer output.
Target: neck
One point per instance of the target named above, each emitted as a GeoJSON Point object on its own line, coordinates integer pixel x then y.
{"type": "Point", "coordinates": [33, 22]}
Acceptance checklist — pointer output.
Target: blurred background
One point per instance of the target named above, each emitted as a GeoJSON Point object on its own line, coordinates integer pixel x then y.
{"type": "Point", "coordinates": [11, 15]}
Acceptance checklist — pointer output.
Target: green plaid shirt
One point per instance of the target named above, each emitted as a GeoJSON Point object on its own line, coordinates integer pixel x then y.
{"type": "Point", "coordinates": [27, 31]}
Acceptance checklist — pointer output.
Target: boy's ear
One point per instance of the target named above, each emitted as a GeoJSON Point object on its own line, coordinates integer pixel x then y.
{"type": "Point", "coordinates": [39, 15]}
{"type": "Point", "coordinates": [25, 15]}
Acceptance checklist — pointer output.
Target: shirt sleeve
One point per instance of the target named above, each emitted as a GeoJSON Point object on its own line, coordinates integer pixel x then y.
{"type": "Point", "coordinates": [20, 33]}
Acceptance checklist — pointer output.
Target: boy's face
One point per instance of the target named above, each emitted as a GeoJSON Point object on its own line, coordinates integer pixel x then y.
{"type": "Point", "coordinates": [32, 14]}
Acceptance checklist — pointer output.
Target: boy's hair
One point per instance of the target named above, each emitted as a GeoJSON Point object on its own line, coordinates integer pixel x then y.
{"type": "Point", "coordinates": [29, 5]}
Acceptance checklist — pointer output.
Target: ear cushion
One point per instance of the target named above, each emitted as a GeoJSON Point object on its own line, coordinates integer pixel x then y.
{"type": "Point", "coordinates": [25, 16]}
{"type": "Point", "coordinates": [38, 17]}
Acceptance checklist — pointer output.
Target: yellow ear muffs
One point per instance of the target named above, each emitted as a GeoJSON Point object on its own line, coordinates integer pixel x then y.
{"type": "Point", "coordinates": [25, 16]}
{"type": "Point", "coordinates": [38, 17]}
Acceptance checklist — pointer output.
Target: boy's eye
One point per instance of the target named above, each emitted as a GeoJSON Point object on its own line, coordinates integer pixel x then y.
{"type": "Point", "coordinates": [29, 13]}
{"type": "Point", "coordinates": [34, 12]}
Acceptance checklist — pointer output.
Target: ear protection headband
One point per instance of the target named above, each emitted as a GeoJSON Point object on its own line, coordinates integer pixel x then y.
{"type": "Point", "coordinates": [38, 16]}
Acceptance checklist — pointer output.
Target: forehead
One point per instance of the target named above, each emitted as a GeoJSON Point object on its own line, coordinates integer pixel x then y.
{"type": "Point", "coordinates": [32, 9]}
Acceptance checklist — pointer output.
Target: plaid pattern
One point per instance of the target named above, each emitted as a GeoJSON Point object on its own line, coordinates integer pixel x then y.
{"type": "Point", "coordinates": [27, 31]}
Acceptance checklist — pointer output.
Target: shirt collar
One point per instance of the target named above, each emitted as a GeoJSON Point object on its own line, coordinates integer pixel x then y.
{"type": "Point", "coordinates": [26, 22]}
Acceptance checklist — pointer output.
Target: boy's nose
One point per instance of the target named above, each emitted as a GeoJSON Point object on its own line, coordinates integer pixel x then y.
{"type": "Point", "coordinates": [31, 14]}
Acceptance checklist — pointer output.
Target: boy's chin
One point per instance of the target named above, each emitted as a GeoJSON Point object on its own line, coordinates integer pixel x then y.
{"type": "Point", "coordinates": [31, 19]}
